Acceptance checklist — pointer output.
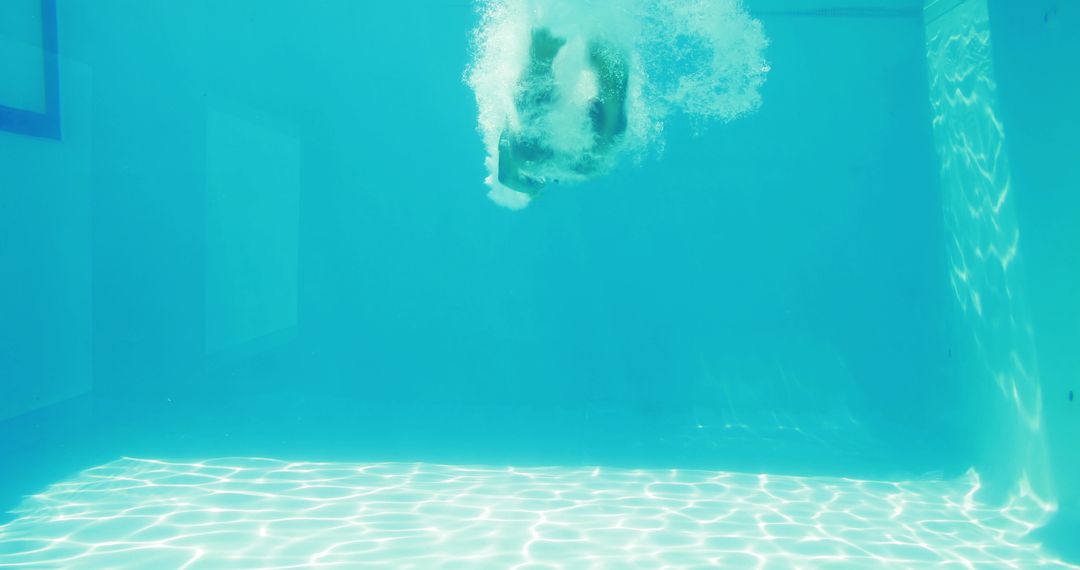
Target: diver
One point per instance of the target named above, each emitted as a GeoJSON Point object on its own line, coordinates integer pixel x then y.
{"type": "Point", "coordinates": [526, 158]}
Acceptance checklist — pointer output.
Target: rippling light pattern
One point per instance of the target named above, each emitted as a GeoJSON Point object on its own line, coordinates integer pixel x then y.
{"type": "Point", "coordinates": [261, 513]}
{"type": "Point", "coordinates": [984, 248]}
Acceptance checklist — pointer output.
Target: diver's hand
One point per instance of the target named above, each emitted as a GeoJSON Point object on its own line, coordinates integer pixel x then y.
{"type": "Point", "coordinates": [545, 46]}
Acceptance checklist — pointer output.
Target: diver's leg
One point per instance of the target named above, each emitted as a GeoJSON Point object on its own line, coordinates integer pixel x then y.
{"type": "Point", "coordinates": [535, 94]}
{"type": "Point", "coordinates": [536, 90]}
{"type": "Point", "coordinates": [608, 112]}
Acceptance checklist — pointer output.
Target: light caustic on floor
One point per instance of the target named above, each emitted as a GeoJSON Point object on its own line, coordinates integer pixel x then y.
{"type": "Point", "coordinates": [261, 513]}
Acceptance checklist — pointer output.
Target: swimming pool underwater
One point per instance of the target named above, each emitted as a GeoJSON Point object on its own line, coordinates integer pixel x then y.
{"type": "Point", "coordinates": [759, 284]}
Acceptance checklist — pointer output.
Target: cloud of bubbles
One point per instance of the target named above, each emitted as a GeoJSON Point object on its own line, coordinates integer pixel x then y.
{"type": "Point", "coordinates": [701, 58]}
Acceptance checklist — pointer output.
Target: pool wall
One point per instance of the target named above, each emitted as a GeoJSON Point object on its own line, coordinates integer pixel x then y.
{"type": "Point", "coordinates": [1034, 49]}
{"type": "Point", "coordinates": [243, 255]}
{"type": "Point", "coordinates": [46, 349]}
{"type": "Point", "coordinates": [1004, 132]}
{"type": "Point", "coordinates": [224, 269]}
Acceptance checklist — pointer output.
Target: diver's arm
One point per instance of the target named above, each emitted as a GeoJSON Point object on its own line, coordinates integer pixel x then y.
{"type": "Point", "coordinates": [510, 174]}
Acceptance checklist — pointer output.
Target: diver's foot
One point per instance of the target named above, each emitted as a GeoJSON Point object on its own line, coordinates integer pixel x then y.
{"type": "Point", "coordinates": [545, 46]}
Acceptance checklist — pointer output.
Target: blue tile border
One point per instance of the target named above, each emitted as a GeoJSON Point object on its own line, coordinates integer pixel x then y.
{"type": "Point", "coordinates": [47, 124]}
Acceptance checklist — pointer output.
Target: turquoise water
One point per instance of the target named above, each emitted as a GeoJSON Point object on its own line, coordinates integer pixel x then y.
{"type": "Point", "coordinates": [269, 300]}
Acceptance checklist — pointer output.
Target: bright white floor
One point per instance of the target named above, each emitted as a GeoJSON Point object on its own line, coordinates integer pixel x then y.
{"type": "Point", "coordinates": [260, 513]}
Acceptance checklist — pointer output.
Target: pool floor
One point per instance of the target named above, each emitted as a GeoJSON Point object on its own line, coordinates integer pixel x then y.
{"type": "Point", "coordinates": [268, 514]}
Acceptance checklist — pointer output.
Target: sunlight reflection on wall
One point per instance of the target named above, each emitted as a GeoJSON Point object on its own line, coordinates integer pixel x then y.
{"type": "Point", "coordinates": [999, 366]}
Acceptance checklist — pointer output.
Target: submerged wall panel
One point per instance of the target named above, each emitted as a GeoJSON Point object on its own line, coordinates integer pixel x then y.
{"type": "Point", "coordinates": [252, 221]}
{"type": "Point", "coordinates": [45, 258]}
{"type": "Point", "coordinates": [21, 56]}
{"type": "Point", "coordinates": [29, 92]}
